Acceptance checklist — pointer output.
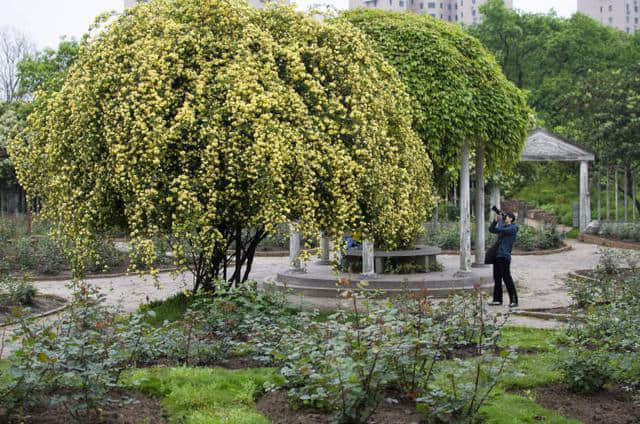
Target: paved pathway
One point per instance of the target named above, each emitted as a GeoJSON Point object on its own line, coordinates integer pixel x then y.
{"type": "Point", "coordinates": [539, 280]}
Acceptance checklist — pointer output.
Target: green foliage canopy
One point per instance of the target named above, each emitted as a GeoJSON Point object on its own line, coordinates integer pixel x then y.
{"type": "Point", "coordinates": [46, 69]}
{"type": "Point", "coordinates": [204, 120]}
{"type": "Point", "coordinates": [458, 90]}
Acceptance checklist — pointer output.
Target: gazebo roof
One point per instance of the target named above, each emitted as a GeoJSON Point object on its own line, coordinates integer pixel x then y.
{"type": "Point", "coordinates": [543, 145]}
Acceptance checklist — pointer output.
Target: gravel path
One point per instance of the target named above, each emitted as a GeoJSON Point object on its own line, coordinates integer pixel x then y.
{"type": "Point", "coordinates": [539, 280]}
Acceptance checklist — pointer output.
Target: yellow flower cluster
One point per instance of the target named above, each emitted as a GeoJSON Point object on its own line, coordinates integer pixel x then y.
{"type": "Point", "coordinates": [193, 118]}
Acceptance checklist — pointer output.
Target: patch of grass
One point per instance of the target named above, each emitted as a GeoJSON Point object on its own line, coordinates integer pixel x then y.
{"type": "Point", "coordinates": [573, 234]}
{"type": "Point", "coordinates": [508, 408]}
{"type": "Point", "coordinates": [534, 371]}
{"type": "Point", "coordinates": [170, 309]}
{"type": "Point", "coordinates": [205, 395]}
{"type": "Point", "coordinates": [530, 338]}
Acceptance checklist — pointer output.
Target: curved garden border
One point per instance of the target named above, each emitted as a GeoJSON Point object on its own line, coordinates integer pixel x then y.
{"type": "Point", "coordinates": [564, 248]}
{"type": "Point", "coordinates": [602, 241]}
{"type": "Point", "coordinates": [43, 314]}
{"type": "Point", "coordinates": [67, 277]}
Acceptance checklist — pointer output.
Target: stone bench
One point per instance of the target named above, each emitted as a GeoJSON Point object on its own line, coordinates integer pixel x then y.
{"type": "Point", "coordinates": [420, 255]}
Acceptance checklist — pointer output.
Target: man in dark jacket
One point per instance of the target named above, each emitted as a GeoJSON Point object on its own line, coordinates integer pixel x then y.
{"type": "Point", "coordinates": [506, 231]}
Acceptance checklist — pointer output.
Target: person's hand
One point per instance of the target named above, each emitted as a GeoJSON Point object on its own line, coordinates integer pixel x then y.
{"type": "Point", "coordinates": [498, 217]}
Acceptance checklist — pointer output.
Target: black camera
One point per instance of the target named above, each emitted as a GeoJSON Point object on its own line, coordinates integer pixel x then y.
{"type": "Point", "coordinates": [499, 212]}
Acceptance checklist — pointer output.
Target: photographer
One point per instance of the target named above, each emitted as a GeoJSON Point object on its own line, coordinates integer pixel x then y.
{"type": "Point", "coordinates": [506, 230]}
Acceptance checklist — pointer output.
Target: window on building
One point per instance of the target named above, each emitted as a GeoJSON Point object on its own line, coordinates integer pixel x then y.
{"type": "Point", "coordinates": [401, 3]}
{"type": "Point", "coordinates": [390, 2]}
{"type": "Point", "coordinates": [421, 5]}
{"type": "Point", "coordinates": [449, 7]}
{"type": "Point", "coordinates": [610, 20]}
{"type": "Point", "coordinates": [431, 5]}
{"type": "Point", "coordinates": [610, 8]}
{"type": "Point", "coordinates": [441, 5]}
{"type": "Point", "coordinates": [473, 12]}
{"type": "Point", "coordinates": [600, 9]}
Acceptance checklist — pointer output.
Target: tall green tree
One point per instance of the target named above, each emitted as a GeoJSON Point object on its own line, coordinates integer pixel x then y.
{"type": "Point", "coordinates": [47, 68]}
{"type": "Point", "coordinates": [458, 90]}
{"type": "Point", "coordinates": [212, 122]}
{"type": "Point", "coordinates": [548, 55]}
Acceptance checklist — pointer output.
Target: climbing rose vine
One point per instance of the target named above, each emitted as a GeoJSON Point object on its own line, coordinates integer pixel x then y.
{"type": "Point", "coordinates": [209, 123]}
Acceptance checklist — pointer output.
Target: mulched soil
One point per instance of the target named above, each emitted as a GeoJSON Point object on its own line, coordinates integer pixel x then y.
{"type": "Point", "coordinates": [276, 407]}
{"type": "Point", "coordinates": [611, 406]}
{"type": "Point", "coordinates": [41, 304]}
{"type": "Point", "coordinates": [143, 409]}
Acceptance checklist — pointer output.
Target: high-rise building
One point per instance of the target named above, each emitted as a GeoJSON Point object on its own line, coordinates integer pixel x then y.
{"type": "Point", "coordinates": [621, 14]}
{"type": "Point", "coordinates": [462, 11]}
{"type": "Point", "coordinates": [255, 3]}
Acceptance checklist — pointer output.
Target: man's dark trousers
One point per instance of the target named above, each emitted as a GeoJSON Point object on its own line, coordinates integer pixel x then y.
{"type": "Point", "coordinates": [502, 271]}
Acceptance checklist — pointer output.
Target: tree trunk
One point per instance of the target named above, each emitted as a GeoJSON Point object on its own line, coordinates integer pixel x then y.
{"type": "Point", "coordinates": [608, 190]}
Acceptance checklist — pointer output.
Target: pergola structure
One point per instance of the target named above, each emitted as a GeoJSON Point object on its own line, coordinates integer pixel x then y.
{"type": "Point", "coordinates": [541, 145]}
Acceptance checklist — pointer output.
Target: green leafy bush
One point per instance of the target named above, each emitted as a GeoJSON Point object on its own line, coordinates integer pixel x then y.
{"type": "Point", "coordinates": [447, 236]}
{"type": "Point", "coordinates": [75, 360]}
{"type": "Point", "coordinates": [14, 291]}
{"type": "Point", "coordinates": [586, 372]}
{"type": "Point", "coordinates": [606, 340]}
{"type": "Point", "coordinates": [620, 231]}
{"type": "Point", "coordinates": [347, 363]}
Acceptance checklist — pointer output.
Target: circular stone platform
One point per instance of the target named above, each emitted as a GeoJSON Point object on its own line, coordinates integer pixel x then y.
{"type": "Point", "coordinates": [321, 281]}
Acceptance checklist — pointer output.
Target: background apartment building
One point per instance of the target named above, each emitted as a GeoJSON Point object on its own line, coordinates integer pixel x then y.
{"type": "Point", "coordinates": [621, 14]}
{"type": "Point", "coordinates": [255, 3]}
{"type": "Point", "coordinates": [463, 11]}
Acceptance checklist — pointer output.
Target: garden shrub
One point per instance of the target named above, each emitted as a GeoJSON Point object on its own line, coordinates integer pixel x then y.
{"type": "Point", "coordinates": [15, 291]}
{"type": "Point", "coordinates": [349, 362]}
{"type": "Point", "coordinates": [446, 235]}
{"type": "Point", "coordinates": [606, 340]}
{"type": "Point", "coordinates": [76, 360]}
{"type": "Point", "coordinates": [629, 231]}
{"type": "Point", "coordinates": [586, 372]}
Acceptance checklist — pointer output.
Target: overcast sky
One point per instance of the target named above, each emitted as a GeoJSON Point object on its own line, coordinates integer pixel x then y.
{"type": "Point", "coordinates": [46, 21]}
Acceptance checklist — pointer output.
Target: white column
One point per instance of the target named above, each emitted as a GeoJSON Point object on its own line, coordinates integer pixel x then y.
{"type": "Point", "coordinates": [480, 224]}
{"type": "Point", "coordinates": [325, 248]}
{"type": "Point", "coordinates": [495, 195]}
{"type": "Point", "coordinates": [608, 202]}
{"type": "Point", "coordinates": [465, 218]}
{"type": "Point", "coordinates": [633, 195]}
{"type": "Point", "coordinates": [626, 194]}
{"type": "Point", "coordinates": [367, 257]}
{"type": "Point", "coordinates": [294, 249]}
{"type": "Point", "coordinates": [585, 207]}
{"type": "Point", "coordinates": [615, 192]}
{"type": "Point", "coordinates": [599, 196]}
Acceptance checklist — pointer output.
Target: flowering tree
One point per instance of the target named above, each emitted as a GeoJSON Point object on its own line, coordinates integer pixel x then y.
{"type": "Point", "coordinates": [211, 122]}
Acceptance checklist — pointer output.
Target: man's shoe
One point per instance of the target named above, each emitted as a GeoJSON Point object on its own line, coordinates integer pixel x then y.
{"type": "Point", "coordinates": [513, 305]}
{"type": "Point", "coordinates": [494, 303]}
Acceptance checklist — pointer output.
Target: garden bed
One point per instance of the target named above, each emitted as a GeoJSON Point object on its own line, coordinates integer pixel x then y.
{"type": "Point", "coordinates": [120, 271]}
{"type": "Point", "coordinates": [519, 252]}
{"type": "Point", "coordinates": [610, 406]}
{"type": "Point", "coordinates": [43, 305]}
{"type": "Point", "coordinates": [277, 408]}
{"type": "Point", "coordinates": [129, 406]}
{"type": "Point", "coordinates": [609, 242]}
